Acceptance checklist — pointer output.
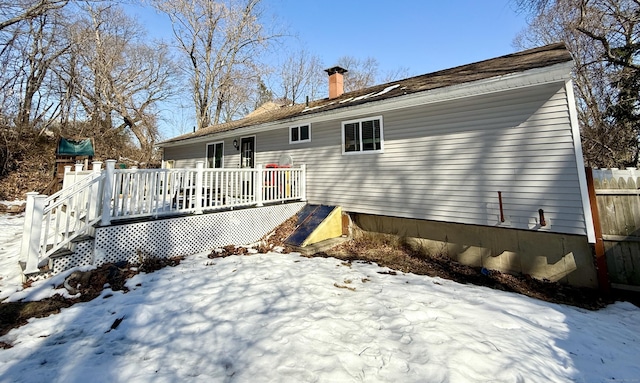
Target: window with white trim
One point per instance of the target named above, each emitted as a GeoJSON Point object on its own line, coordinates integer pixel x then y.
{"type": "Point", "coordinates": [364, 135]}
{"type": "Point", "coordinates": [299, 134]}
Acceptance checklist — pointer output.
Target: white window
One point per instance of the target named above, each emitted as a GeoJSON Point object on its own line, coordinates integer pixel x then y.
{"type": "Point", "coordinates": [364, 135]}
{"type": "Point", "coordinates": [299, 134]}
{"type": "Point", "coordinates": [215, 155]}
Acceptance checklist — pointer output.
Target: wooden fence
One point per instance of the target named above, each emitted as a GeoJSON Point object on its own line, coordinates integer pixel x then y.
{"type": "Point", "coordinates": [618, 198]}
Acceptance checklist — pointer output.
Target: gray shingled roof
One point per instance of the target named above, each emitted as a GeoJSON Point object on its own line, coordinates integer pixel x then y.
{"type": "Point", "coordinates": [513, 63]}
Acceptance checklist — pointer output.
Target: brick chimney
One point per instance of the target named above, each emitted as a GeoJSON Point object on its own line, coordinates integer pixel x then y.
{"type": "Point", "coordinates": [336, 81]}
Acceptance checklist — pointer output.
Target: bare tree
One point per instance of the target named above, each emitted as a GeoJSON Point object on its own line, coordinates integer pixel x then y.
{"type": "Point", "coordinates": [221, 41]}
{"type": "Point", "coordinates": [43, 48]}
{"type": "Point", "coordinates": [13, 63]}
{"type": "Point", "coordinates": [603, 37]}
{"type": "Point", "coordinates": [117, 78]}
{"type": "Point", "coordinates": [395, 74]}
{"type": "Point", "coordinates": [238, 95]}
{"type": "Point", "coordinates": [361, 73]}
{"type": "Point", "coordinates": [300, 76]}
{"type": "Point", "coordinates": [30, 47]}
{"type": "Point", "coordinates": [13, 12]}
{"type": "Point", "coordinates": [68, 69]}
{"type": "Point", "coordinates": [29, 51]}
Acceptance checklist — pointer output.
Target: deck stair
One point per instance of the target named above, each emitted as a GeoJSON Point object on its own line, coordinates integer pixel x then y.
{"type": "Point", "coordinates": [78, 252]}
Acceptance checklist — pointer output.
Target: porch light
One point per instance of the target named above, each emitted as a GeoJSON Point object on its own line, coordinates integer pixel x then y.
{"type": "Point", "coordinates": [235, 144]}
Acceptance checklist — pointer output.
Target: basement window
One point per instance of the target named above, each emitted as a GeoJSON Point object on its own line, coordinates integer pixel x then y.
{"type": "Point", "coordinates": [364, 135]}
{"type": "Point", "coordinates": [299, 134]}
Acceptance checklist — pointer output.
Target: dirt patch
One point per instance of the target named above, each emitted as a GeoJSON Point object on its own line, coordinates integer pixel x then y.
{"type": "Point", "coordinates": [12, 209]}
{"type": "Point", "coordinates": [15, 314]}
{"type": "Point", "coordinates": [228, 251]}
{"type": "Point", "coordinates": [270, 242]}
{"type": "Point", "coordinates": [88, 284]}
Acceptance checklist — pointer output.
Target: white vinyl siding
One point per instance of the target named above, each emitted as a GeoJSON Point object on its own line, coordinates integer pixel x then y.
{"type": "Point", "coordinates": [447, 161]}
{"type": "Point", "coordinates": [186, 156]}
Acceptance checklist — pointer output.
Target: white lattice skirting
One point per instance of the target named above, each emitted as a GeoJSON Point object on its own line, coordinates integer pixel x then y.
{"type": "Point", "coordinates": [188, 235]}
{"type": "Point", "coordinates": [81, 255]}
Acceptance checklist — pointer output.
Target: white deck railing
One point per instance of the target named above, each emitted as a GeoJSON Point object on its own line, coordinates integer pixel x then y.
{"type": "Point", "coordinates": [116, 194]}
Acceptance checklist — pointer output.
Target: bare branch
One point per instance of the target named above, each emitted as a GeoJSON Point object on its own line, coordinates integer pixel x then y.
{"type": "Point", "coordinates": [222, 41]}
{"type": "Point", "coordinates": [38, 9]}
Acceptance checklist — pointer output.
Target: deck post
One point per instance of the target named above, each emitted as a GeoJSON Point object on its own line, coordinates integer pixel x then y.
{"type": "Point", "coordinates": [259, 184]}
{"type": "Point", "coordinates": [94, 199]}
{"type": "Point", "coordinates": [30, 248]}
{"type": "Point", "coordinates": [67, 176]}
{"type": "Point", "coordinates": [303, 182]}
{"type": "Point", "coordinates": [199, 183]}
{"type": "Point", "coordinates": [27, 226]}
{"type": "Point", "coordinates": [107, 192]}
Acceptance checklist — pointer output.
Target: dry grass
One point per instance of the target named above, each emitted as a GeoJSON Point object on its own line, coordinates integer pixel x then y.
{"type": "Point", "coordinates": [387, 250]}
{"type": "Point", "coordinates": [396, 253]}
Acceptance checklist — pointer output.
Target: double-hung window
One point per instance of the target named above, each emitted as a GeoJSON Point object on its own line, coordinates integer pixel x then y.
{"type": "Point", "coordinates": [364, 135]}
{"type": "Point", "coordinates": [215, 155]}
{"type": "Point", "coordinates": [299, 134]}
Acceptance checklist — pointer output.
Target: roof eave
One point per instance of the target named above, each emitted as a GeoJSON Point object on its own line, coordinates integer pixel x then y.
{"type": "Point", "coordinates": [560, 72]}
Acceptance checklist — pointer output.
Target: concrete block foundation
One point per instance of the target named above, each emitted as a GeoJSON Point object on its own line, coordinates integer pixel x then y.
{"type": "Point", "coordinates": [557, 257]}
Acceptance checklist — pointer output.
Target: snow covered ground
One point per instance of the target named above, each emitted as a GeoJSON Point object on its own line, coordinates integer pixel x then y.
{"type": "Point", "coordinates": [286, 318]}
{"type": "Point", "coordinates": [11, 227]}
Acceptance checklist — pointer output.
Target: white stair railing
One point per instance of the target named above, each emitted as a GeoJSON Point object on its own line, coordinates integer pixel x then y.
{"type": "Point", "coordinates": [115, 194]}
{"type": "Point", "coordinates": [54, 221]}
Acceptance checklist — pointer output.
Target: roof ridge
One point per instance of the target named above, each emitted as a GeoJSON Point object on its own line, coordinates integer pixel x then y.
{"type": "Point", "coordinates": [538, 57]}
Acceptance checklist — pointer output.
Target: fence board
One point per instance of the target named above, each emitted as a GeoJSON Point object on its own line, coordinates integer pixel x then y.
{"type": "Point", "coordinates": [623, 262]}
{"type": "Point", "coordinates": [618, 192]}
{"type": "Point", "coordinates": [618, 200]}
